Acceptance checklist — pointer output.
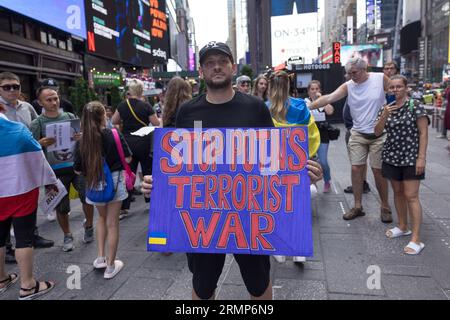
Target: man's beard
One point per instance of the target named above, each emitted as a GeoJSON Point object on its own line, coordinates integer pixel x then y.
{"type": "Point", "coordinates": [218, 85]}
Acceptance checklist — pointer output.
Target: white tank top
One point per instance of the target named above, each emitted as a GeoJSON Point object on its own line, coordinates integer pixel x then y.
{"type": "Point", "coordinates": [365, 101]}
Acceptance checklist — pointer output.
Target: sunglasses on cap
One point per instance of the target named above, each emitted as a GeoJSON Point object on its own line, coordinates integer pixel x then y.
{"type": "Point", "coordinates": [10, 87]}
{"type": "Point", "coordinates": [245, 82]}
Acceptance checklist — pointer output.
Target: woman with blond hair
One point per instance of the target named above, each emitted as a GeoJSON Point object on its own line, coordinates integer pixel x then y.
{"type": "Point", "coordinates": [135, 114]}
{"type": "Point", "coordinates": [286, 112]}
{"type": "Point", "coordinates": [178, 92]}
{"type": "Point", "coordinates": [261, 87]}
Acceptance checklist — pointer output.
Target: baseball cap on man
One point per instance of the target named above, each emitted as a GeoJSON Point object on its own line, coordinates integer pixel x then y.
{"type": "Point", "coordinates": [243, 79]}
{"type": "Point", "coordinates": [218, 47]}
{"type": "Point", "coordinates": [49, 83]}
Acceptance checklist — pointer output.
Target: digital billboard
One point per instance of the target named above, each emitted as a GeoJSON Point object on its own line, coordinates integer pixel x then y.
{"type": "Point", "coordinates": [371, 53]}
{"type": "Point", "coordinates": [294, 30]}
{"type": "Point", "coordinates": [131, 31]}
{"type": "Point", "coordinates": [373, 13]}
{"type": "Point", "coordinates": [66, 15]}
{"type": "Point", "coordinates": [159, 30]}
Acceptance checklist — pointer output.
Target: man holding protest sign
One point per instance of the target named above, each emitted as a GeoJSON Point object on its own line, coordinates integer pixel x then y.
{"type": "Point", "coordinates": [61, 161]}
{"type": "Point", "coordinates": [222, 107]}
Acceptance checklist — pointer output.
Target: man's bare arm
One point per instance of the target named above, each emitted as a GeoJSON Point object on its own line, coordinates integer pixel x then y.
{"type": "Point", "coordinates": [337, 95]}
{"type": "Point", "coordinates": [386, 80]}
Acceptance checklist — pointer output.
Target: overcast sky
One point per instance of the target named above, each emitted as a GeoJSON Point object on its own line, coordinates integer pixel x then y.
{"type": "Point", "coordinates": [210, 19]}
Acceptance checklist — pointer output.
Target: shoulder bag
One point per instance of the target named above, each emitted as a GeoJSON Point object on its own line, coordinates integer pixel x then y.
{"type": "Point", "coordinates": [130, 177]}
{"type": "Point", "coordinates": [104, 192]}
{"type": "Point", "coordinates": [134, 114]}
{"type": "Point", "coordinates": [333, 132]}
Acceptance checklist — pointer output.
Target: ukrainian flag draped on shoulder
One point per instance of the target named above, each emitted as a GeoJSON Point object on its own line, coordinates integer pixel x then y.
{"type": "Point", "coordinates": [23, 164]}
{"type": "Point", "coordinates": [299, 114]}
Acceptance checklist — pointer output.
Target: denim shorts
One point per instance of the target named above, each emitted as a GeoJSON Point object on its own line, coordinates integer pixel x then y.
{"type": "Point", "coordinates": [121, 190]}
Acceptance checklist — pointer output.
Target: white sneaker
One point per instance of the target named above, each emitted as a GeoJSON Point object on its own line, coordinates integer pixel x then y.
{"type": "Point", "coordinates": [118, 265]}
{"type": "Point", "coordinates": [299, 259]}
{"type": "Point", "coordinates": [314, 192]}
{"type": "Point", "coordinates": [280, 259]}
{"type": "Point", "coordinates": [100, 263]}
{"type": "Point", "coordinates": [51, 216]}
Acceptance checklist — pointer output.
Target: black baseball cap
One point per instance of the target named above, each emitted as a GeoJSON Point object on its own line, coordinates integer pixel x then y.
{"type": "Point", "coordinates": [218, 47]}
{"type": "Point", "coordinates": [49, 83]}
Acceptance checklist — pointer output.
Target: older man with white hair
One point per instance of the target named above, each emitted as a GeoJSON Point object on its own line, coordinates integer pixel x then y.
{"type": "Point", "coordinates": [244, 84]}
{"type": "Point", "coordinates": [366, 95]}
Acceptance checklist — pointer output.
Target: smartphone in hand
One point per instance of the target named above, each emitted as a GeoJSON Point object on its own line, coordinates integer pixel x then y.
{"type": "Point", "coordinates": [390, 98]}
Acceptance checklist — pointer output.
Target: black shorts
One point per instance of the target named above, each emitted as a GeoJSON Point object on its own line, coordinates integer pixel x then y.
{"type": "Point", "coordinates": [23, 230]}
{"type": "Point", "coordinates": [206, 269]}
{"type": "Point", "coordinates": [79, 183]}
{"type": "Point", "coordinates": [400, 173]}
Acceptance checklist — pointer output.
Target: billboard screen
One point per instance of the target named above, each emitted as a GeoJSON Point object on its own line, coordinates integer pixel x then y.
{"type": "Point", "coordinates": [159, 30]}
{"type": "Point", "coordinates": [66, 15]}
{"type": "Point", "coordinates": [371, 53]}
{"type": "Point", "coordinates": [294, 30]}
{"type": "Point", "coordinates": [373, 16]}
{"type": "Point", "coordinates": [129, 31]}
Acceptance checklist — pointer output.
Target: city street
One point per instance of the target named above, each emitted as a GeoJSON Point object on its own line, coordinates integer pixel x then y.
{"type": "Point", "coordinates": [346, 253]}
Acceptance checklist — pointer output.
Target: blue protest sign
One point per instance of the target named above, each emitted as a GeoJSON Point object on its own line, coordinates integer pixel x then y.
{"type": "Point", "coordinates": [243, 191]}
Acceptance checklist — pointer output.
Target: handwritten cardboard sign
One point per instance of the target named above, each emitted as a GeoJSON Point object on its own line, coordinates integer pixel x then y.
{"type": "Point", "coordinates": [243, 191]}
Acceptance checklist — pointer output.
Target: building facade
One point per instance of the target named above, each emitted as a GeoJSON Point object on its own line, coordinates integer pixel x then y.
{"type": "Point", "coordinates": [435, 15]}
{"type": "Point", "coordinates": [35, 51]}
{"type": "Point", "coordinates": [259, 30]}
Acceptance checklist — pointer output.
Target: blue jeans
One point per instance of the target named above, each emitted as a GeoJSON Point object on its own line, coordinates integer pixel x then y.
{"type": "Point", "coordinates": [323, 160]}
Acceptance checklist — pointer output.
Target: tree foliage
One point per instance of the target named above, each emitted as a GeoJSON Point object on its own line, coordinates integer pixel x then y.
{"type": "Point", "coordinates": [115, 97]}
{"type": "Point", "coordinates": [247, 71]}
{"type": "Point", "coordinates": [80, 94]}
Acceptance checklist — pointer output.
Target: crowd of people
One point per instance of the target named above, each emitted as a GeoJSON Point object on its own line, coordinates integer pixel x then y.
{"type": "Point", "coordinates": [393, 137]}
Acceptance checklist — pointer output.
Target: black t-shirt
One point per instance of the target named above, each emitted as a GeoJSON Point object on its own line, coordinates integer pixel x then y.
{"type": "Point", "coordinates": [64, 104]}
{"type": "Point", "coordinates": [109, 152]}
{"type": "Point", "coordinates": [142, 110]}
{"type": "Point", "coordinates": [243, 111]}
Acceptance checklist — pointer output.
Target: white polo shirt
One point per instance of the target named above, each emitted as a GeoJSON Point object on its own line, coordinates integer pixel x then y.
{"type": "Point", "coordinates": [23, 112]}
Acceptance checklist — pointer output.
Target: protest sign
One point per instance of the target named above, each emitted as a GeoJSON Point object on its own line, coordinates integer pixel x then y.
{"type": "Point", "coordinates": [52, 198]}
{"type": "Point", "coordinates": [244, 191]}
{"type": "Point", "coordinates": [60, 131]}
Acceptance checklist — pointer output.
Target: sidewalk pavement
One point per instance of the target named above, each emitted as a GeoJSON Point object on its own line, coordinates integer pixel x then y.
{"type": "Point", "coordinates": [346, 253]}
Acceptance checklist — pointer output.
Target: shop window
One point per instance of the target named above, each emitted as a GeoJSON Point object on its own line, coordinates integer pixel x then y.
{"type": "Point", "coordinates": [44, 37]}
{"type": "Point", "coordinates": [17, 27]}
{"type": "Point", "coordinates": [69, 44]}
{"type": "Point", "coordinates": [62, 44]}
{"type": "Point", "coordinates": [5, 23]}
{"type": "Point", "coordinates": [52, 40]}
{"type": "Point", "coordinates": [30, 32]}
{"type": "Point", "coordinates": [17, 57]}
{"type": "Point", "coordinates": [47, 62]}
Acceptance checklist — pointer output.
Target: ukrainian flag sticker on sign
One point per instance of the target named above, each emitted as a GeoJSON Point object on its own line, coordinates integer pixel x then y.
{"type": "Point", "coordinates": [157, 238]}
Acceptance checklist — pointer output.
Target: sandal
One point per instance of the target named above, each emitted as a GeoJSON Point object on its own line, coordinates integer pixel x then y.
{"type": "Point", "coordinates": [36, 292]}
{"type": "Point", "coordinates": [12, 278]}
{"type": "Point", "coordinates": [397, 232]}
{"type": "Point", "coordinates": [417, 248]}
